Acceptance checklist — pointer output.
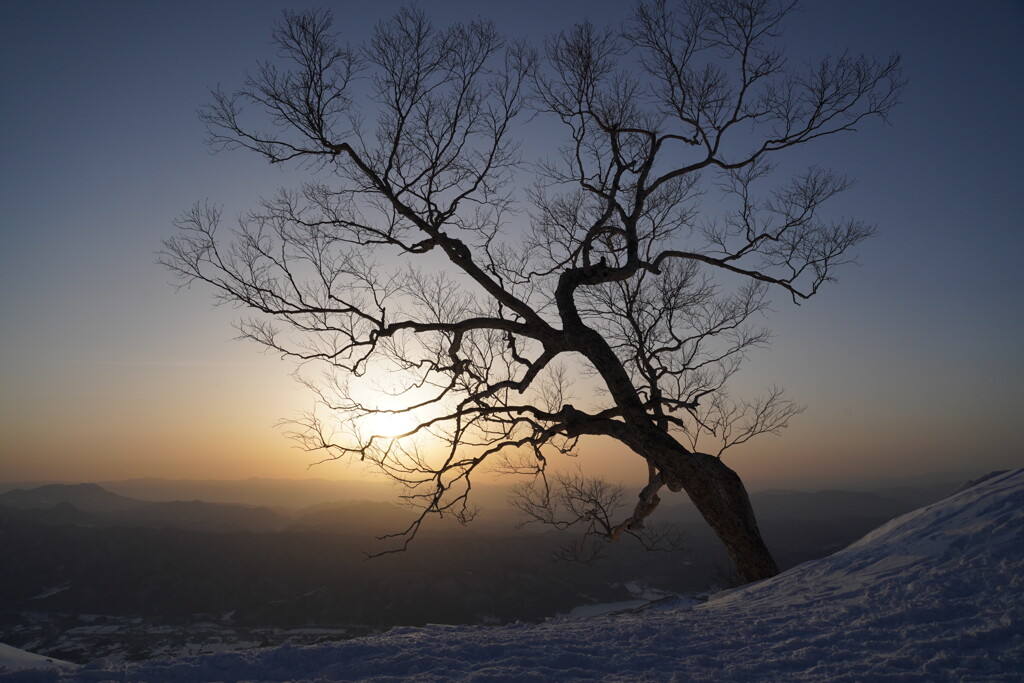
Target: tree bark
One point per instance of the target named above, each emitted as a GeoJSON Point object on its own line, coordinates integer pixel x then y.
{"type": "Point", "coordinates": [719, 495]}
{"type": "Point", "coordinates": [716, 491]}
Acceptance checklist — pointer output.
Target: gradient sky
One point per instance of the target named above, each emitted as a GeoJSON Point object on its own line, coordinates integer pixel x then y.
{"type": "Point", "coordinates": [910, 366]}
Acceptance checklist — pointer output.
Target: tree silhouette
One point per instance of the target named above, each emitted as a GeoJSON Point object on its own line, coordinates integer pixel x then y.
{"type": "Point", "coordinates": [436, 275]}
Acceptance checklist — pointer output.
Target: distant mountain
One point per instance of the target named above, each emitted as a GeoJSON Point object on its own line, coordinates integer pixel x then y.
{"type": "Point", "coordinates": [86, 497]}
{"type": "Point", "coordinates": [274, 493]}
{"type": "Point", "coordinates": [63, 514]}
{"type": "Point", "coordinates": [295, 494]}
{"type": "Point", "coordinates": [198, 515]}
{"type": "Point", "coordinates": [780, 512]}
{"type": "Point", "coordinates": [92, 505]}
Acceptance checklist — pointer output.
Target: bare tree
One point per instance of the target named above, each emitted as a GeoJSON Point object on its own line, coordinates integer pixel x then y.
{"type": "Point", "coordinates": [437, 277]}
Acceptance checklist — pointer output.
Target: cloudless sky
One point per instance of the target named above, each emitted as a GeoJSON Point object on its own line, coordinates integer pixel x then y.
{"type": "Point", "coordinates": [910, 365]}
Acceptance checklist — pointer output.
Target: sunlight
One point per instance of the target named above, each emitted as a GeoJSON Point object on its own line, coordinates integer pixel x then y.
{"type": "Point", "coordinates": [387, 425]}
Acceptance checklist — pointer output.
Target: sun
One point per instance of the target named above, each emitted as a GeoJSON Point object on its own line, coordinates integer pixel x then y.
{"type": "Point", "coordinates": [388, 425]}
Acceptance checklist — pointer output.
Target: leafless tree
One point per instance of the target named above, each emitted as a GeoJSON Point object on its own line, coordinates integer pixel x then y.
{"type": "Point", "coordinates": [437, 276]}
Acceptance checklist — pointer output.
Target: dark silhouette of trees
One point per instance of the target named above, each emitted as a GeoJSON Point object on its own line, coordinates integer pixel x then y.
{"type": "Point", "coordinates": [440, 278]}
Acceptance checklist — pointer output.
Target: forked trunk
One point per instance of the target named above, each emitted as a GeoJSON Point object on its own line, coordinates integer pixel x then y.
{"type": "Point", "coordinates": [713, 487]}
{"type": "Point", "coordinates": [719, 495]}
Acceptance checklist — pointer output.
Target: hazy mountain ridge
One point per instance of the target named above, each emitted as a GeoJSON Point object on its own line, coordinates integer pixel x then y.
{"type": "Point", "coordinates": [85, 497]}
{"type": "Point", "coordinates": [273, 493]}
{"type": "Point", "coordinates": [91, 505]}
{"type": "Point", "coordinates": [266, 513]}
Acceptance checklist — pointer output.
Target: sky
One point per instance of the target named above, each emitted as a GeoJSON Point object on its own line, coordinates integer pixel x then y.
{"type": "Point", "coordinates": [909, 367]}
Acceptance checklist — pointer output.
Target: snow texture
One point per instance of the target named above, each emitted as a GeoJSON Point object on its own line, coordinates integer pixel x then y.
{"type": "Point", "coordinates": [13, 659]}
{"type": "Point", "coordinates": [934, 595]}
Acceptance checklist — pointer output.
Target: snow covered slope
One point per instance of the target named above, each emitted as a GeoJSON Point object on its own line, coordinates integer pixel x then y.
{"type": "Point", "coordinates": [13, 659]}
{"type": "Point", "coordinates": [934, 595]}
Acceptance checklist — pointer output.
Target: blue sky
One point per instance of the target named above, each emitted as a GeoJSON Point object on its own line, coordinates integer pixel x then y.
{"type": "Point", "coordinates": [909, 365]}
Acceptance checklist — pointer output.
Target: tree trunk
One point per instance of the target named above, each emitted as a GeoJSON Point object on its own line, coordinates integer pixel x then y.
{"type": "Point", "coordinates": [713, 487]}
{"type": "Point", "coordinates": [719, 495]}
{"type": "Point", "coordinates": [721, 498]}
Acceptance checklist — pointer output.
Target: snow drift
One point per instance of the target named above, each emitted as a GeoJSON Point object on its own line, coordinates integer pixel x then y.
{"type": "Point", "coordinates": [933, 595]}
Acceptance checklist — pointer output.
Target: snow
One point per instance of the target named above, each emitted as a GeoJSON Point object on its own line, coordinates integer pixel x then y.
{"type": "Point", "coordinates": [934, 595]}
{"type": "Point", "coordinates": [12, 659]}
{"type": "Point", "coordinates": [53, 591]}
{"type": "Point", "coordinates": [642, 596]}
{"type": "Point", "coordinates": [590, 611]}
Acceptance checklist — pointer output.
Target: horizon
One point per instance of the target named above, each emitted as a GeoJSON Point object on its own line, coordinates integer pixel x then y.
{"type": "Point", "coordinates": [922, 481]}
{"type": "Point", "coordinates": [909, 367]}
